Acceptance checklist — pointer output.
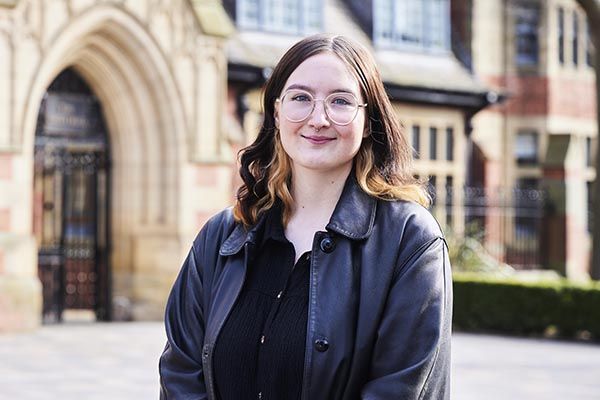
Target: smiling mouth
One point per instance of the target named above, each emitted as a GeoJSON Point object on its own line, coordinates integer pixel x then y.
{"type": "Point", "coordinates": [318, 139]}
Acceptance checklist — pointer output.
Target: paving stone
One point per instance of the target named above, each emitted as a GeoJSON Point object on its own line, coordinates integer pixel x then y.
{"type": "Point", "coordinates": [116, 361]}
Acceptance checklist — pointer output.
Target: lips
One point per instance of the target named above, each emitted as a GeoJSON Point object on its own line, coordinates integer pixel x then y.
{"type": "Point", "coordinates": [316, 139]}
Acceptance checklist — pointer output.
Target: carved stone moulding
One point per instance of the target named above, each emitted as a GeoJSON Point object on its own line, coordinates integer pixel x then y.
{"type": "Point", "coordinates": [8, 3]}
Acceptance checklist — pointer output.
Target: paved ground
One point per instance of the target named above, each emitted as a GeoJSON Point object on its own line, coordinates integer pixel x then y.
{"type": "Point", "coordinates": [118, 361]}
{"type": "Point", "coordinates": [500, 368]}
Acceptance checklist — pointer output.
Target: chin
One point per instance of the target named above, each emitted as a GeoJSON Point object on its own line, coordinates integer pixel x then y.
{"type": "Point", "coordinates": [323, 166]}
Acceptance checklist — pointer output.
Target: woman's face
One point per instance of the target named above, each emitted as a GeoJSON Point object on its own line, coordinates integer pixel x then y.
{"type": "Point", "coordinates": [318, 142]}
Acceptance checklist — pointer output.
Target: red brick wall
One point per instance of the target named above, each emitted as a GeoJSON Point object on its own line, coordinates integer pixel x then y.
{"type": "Point", "coordinates": [526, 95]}
{"type": "Point", "coordinates": [535, 95]}
{"type": "Point", "coordinates": [572, 98]}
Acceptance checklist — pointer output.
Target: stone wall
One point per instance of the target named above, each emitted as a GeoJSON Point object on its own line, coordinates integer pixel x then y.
{"type": "Point", "coordinates": [161, 80]}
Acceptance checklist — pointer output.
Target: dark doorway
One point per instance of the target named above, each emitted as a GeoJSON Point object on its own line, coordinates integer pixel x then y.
{"type": "Point", "coordinates": [71, 200]}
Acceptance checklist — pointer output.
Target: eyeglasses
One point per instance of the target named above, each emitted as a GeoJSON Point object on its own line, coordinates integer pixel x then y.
{"type": "Point", "coordinates": [341, 108]}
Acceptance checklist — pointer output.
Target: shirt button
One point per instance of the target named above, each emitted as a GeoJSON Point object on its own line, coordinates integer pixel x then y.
{"type": "Point", "coordinates": [259, 395]}
{"type": "Point", "coordinates": [279, 294]}
{"type": "Point", "coordinates": [321, 345]}
{"type": "Point", "coordinates": [262, 339]}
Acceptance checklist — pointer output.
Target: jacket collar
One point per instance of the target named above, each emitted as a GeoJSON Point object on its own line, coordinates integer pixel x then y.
{"type": "Point", "coordinates": [354, 214]}
{"type": "Point", "coordinates": [353, 217]}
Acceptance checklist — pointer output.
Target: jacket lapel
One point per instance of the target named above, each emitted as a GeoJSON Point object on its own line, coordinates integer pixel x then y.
{"type": "Point", "coordinates": [354, 214]}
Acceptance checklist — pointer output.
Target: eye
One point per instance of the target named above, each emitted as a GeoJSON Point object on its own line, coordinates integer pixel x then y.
{"type": "Point", "coordinates": [340, 100]}
{"type": "Point", "coordinates": [300, 97]}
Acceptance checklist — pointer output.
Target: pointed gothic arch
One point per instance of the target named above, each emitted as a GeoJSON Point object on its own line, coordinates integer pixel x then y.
{"type": "Point", "coordinates": [145, 121]}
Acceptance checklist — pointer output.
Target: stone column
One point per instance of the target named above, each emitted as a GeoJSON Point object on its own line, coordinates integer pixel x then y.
{"type": "Point", "coordinates": [566, 242]}
{"type": "Point", "coordinates": [20, 288]}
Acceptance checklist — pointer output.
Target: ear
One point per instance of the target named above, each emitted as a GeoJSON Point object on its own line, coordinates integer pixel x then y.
{"type": "Point", "coordinates": [367, 130]}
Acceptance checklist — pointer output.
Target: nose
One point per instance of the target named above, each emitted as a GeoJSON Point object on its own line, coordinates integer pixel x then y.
{"type": "Point", "coordinates": [318, 117]}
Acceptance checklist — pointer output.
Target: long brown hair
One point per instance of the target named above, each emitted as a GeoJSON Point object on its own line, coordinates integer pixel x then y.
{"type": "Point", "coordinates": [383, 165]}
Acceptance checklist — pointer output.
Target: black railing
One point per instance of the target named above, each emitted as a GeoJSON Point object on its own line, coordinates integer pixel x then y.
{"type": "Point", "coordinates": [507, 222]}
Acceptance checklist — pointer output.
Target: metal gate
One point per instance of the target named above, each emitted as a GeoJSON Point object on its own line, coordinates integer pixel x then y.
{"type": "Point", "coordinates": [509, 223]}
{"type": "Point", "coordinates": [71, 206]}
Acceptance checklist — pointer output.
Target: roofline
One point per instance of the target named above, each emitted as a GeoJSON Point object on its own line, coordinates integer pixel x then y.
{"type": "Point", "coordinates": [252, 76]}
{"type": "Point", "coordinates": [473, 101]}
{"type": "Point", "coordinates": [247, 75]}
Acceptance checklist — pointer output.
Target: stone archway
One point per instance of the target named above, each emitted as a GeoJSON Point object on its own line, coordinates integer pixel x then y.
{"type": "Point", "coordinates": [143, 115]}
{"type": "Point", "coordinates": [149, 64]}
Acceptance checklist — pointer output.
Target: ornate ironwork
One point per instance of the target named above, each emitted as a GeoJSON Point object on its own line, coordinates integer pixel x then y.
{"type": "Point", "coordinates": [71, 206]}
{"type": "Point", "coordinates": [507, 221]}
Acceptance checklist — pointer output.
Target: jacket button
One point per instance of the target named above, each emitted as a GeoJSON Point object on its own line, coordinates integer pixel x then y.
{"type": "Point", "coordinates": [321, 345]}
{"type": "Point", "coordinates": [327, 244]}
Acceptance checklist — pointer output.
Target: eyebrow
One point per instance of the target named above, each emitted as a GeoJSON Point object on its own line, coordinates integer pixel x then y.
{"type": "Point", "coordinates": [310, 90]}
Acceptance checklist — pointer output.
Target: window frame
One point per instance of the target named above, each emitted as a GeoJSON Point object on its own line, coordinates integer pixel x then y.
{"type": "Point", "coordinates": [527, 41]}
{"type": "Point", "coordinates": [532, 160]}
{"type": "Point", "coordinates": [271, 16]}
{"type": "Point", "coordinates": [433, 36]}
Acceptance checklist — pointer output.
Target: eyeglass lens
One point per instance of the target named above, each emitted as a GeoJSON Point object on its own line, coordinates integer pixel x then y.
{"type": "Point", "coordinates": [297, 105]}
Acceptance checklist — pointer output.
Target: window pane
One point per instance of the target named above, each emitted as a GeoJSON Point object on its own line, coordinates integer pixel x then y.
{"type": "Point", "coordinates": [590, 201]}
{"type": "Point", "coordinates": [588, 45]}
{"type": "Point", "coordinates": [433, 189]}
{"type": "Point", "coordinates": [575, 41]}
{"type": "Point", "coordinates": [561, 36]}
{"type": "Point", "coordinates": [383, 24]}
{"type": "Point", "coordinates": [247, 13]}
{"type": "Point", "coordinates": [312, 16]}
{"type": "Point", "coordinates": [286, 16]}
{"type": "Point", "coordinates": [449, 199]}
{"type": "Point", "coordinates": [433, 143]}
{"type": "Point", "coordinates": [526, 222]}
{"type": "Point", "coordinates": [436, 23]}
{"type": "Point", "coordinates": [408, 19]}
{"type": "Point", "coordinates": [412, 24]}
{"type": "Point", "coordinates": [526, 148]}
{"type": "Point", "coordinates": [416, 140]}
{"type": "Point", "coordinates": [526, 30]}
{"type": "Point", "coordinates": [449, 144]}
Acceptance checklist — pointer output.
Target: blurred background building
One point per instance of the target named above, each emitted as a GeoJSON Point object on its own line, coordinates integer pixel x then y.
{"type": "Point", "coordinates": [120, 122]}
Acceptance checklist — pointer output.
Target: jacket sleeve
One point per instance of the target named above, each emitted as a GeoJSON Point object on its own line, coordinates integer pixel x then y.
{"type": "Point", "coordinates": [411, 358]}
{"type": "Point", "coordinates": [180, 365]}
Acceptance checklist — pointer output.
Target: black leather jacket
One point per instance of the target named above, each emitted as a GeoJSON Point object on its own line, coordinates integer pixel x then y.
{"type": "Point", "coordinates": [380, 304]}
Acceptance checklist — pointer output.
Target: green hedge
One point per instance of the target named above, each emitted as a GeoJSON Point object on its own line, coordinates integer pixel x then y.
{"type": "Point", "coordinates": [506, 305]}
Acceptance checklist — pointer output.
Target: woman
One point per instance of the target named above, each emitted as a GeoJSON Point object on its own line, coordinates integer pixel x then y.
{"type": "Point", "coordinates": [328, 279]}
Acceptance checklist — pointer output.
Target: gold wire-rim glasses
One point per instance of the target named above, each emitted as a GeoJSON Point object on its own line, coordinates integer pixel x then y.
{"type": "Point", "coordinates": [327, 105]}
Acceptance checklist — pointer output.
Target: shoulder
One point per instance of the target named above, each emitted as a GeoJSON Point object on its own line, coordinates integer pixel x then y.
{"type": "Point", "coordinates": [216, 229]}
{"type": "Point", "coordinates": [409, 218]}
{"type": "Point", "coordinates": [414, 231]}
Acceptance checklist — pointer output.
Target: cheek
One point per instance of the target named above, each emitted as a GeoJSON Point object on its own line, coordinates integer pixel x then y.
{"type": "Point", "coordinates": [287, 128]}
{"type": "Point", "coordinates": [287, 135]}
{"type": "Point", "coordinates": [355, 131]}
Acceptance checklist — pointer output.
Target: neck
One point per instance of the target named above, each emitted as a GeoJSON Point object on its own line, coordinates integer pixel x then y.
{"type": "Point", "coordinates": [316, 193]}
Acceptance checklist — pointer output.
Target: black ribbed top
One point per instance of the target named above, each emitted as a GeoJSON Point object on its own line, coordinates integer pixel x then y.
{"type": "Point", "coordinates": [259, 353]}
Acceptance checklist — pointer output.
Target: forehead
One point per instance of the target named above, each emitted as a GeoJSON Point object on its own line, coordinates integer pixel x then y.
{"type": "Point", "coordinates": [324, 72]}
